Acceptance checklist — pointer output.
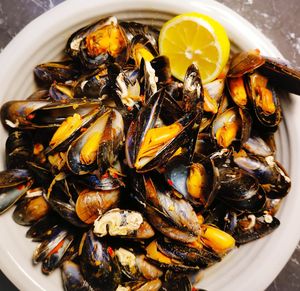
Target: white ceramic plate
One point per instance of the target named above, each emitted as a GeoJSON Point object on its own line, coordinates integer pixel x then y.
{"type": "Point", "coordinates": [251, 267]}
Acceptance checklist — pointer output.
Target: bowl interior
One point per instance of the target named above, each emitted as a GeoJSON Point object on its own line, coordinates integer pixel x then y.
{"type": "Point", "coordinates": [251, 267]}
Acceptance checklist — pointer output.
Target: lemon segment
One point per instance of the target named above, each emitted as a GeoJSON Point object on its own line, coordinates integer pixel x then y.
{"type": "Point", "coordinates": [195, 38]}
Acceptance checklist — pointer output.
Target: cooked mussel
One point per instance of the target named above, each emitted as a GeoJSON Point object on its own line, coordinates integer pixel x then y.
{"type": "Point", "coordinates": [135, 266]}
{"type": "Point", "coordinates": [99, 43]}
{"type": "Point", "coordinates": [197, 181]}
{"type": "Point", "coordinates": [126, 223]}
{"type": "Point", "coordinates": [43, 114]}
{"type": "Point", "coordinates": [158, 258]}
{"type": "Point", "coordinates": [265, 100]}
{"type": "Point", "coordinates": [166, 212]}
{"type": "Point", "coordinates": [233, 125]}
{"type": "Point", "coordinates": [98, 146]}
{"type": "Point", "coordinates": [147, 146]}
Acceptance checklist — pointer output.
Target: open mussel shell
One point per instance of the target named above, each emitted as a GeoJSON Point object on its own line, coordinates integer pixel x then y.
{"type": "Point", "coordinates": [187, 254]}
{"type": "Point", "coordinates": [43, 114]}
{"type": "Point", "coordinates": [258, 146]}
{"type": "Point", "coordinates": [62, 71]}
{"type": "Point", "coordinates": [147, 146]}
{"type": "Point", "coordinates": [13, 185]}
{"type": "Point", "coordinates": [98, 146]}
{"type": "Point", "coordinates": [237, 90]}
{"type": "Point", "coordinates": [265, 99]}
{"type": "Point", "coordinates": [245, 62]}
{"type": "Point", "coordinates": [193, 93]}
{"type": "Point", "coordinates": [88, 43]}
{"type": "Point", "coordinates": [31, 209]}
{"type": "Point", "coordinates": [70, 129]}
{"type": "Point", "coordinates": [251, 227]}
{"type": "Point", "coordinates": [205, 144]}
{"type": "Point", "coordinates": [125, 223]}
{"type": "Point", "coordinates": [95, 85]}
{"type": "Point", "coordinates": [61, 91]}
{"type": "Point", "coordinates": [141, 47]}
{"type": "Point", "coordinates": [72, 277]}
{"type": "Point", "coordinates": [172, 216]}
{"type": "Point", "coordinates": [134, 28]}
{"type": "Point", "coordinates": [135, 266]}
{"type": "Point", "coordinates": [240, 190]}
{"type": "Point", "coordinates": [269, 172]}
{"type": "Point", "coordinates": [197, 181]}
{"type": "Point", "coordinates": [97, 265]}
{"type": "Point", "coordinates": [156, 257]}
{"type": "Point", "coordinates": [282, 74]}
{"type": "Point", "coordinates": [232, 126]}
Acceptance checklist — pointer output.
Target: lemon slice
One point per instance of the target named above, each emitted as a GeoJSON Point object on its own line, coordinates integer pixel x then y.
{"type": "Point", "coordinates": [195, 38]}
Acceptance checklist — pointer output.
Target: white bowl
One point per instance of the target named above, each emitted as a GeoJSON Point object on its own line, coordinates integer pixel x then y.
{"type": "Point", "coordinates": [251, 267]}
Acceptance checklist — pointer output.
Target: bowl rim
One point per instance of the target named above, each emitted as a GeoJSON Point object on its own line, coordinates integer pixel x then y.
{"type": "Point", "coordinates": [68, 9]}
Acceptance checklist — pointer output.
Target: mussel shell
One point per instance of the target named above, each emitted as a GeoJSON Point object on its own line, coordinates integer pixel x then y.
{"type": "Point", "coordinates": [97, 266]}
{"type": "Point", "coordinates": [48, 245]}
{"type": "Point", "coordinates": [92, 62]}
{"type": "Point", "coordinates": [282, 74]}
{"type": "Point", "coordinates": [193, 93]}
{"type": "Point", "coordinates": [18, 149]}
{"type": "Point", "coordinates": [265, 118]}
{"type": "Point", "coordinates": [175, 281]}
{"type": "Point", "coordinates": [64, 142]}
{"type": "Point", "coordinates": [240, 190]}
{"type": "Point", "coordinates": [73, 43]}
{"type": "Point", "coordinates": [55, 257]}
{"type": "Point", "coordinates": [269, 172]}
{"type": "Point", "coordinates": [261, 229]}
{"type": "Point", "coordinates": [245, 62]}
{"type": "Point", "coordinates": [167, 227]}
{"type": "Point", "coordinates": [56, 71]}
{"type": "Point", "coordinates": [104, 183]}
{"type": "Point", "coordinates": [179, 211]}
{"type": "Point", "coordinates": [177, 173]}
{"type": "Point", "coordinates": [15, 113]}
{"type": "Point", "coordinates": [188, 255]}
{"type": "Point", "coordinates": [67, 212]}
{"type": "Point", "coordinates": [30, 210]}
{"type": "Point", "coordinates": [257, 146]}
{"type": "Point", "coordinates": [72, 277]}
{"type": "Point", "coordinates": [111, 126]}
{"type": "Point", "coordinates": [13, 185]}
{"type": "Point", "coordinates": [61, 92]}
{"type": "Point", "coordinates": [43, 228]}
{"type": "Point", "coordinates": [241, 118]}
{"type": "Point", "coordinates": [91, 204]}
{"type": "Point", "coordinates": [134, 28]}
{"type": "Point", "coordinates": [145, 120]}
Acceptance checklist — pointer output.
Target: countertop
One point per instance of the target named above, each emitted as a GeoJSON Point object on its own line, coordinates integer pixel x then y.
{"type": "Point", "coordinates": [277, 19]}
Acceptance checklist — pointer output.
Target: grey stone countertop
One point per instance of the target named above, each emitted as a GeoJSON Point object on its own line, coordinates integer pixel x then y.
{"type": "Point", "coordinates": [277, 19]}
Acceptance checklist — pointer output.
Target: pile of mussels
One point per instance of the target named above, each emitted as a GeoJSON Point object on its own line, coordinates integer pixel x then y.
{"type": "Point", "coordinates": [130, 179]}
